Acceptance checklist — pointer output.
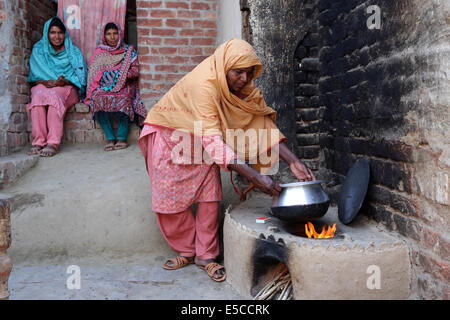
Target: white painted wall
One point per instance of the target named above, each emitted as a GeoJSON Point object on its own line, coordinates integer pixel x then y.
{"type": "Point", "coordinates": [230, 21]}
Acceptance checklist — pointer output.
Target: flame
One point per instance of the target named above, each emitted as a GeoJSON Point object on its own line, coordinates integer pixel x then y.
{"type": "Point", "coordinates": [327, 232]}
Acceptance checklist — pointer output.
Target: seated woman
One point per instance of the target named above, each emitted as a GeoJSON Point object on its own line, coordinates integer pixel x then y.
{"type": "Point", "coordinates": [58, 75]}
{"type": "Point", "coordinates": [113, 86]}
{"type": "Point", "coordinates": [215, 103]}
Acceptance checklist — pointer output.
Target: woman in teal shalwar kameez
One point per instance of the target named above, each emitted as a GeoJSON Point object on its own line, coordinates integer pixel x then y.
{"type": "Point", "coordinates": [58, 76]}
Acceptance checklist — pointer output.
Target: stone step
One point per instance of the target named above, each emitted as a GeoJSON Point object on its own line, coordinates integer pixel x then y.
{"type": "Point", "coordinates": [85, 201]}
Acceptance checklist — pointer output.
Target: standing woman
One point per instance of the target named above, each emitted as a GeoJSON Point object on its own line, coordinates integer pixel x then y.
{"type": "Point", "coordinates": [113, 86]}
{"type": "Point", "coordinates": [58, 78]}
{"type": "Point", "coordinates": [214, 99]}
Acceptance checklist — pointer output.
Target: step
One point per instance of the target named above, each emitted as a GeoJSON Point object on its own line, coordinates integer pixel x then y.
{"type": "Point", "coordinates": [85, 201]}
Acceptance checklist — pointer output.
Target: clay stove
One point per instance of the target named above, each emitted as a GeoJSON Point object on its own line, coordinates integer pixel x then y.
{"type": "Point", "coordinates": [360, 262]}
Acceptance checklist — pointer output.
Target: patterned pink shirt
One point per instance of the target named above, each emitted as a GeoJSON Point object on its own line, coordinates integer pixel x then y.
{"type": "Point", "coordinates": [183, 170]}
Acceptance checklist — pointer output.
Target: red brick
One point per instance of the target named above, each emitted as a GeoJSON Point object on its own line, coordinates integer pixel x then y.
{"type": "Point", "coordinates": [177, 60]}
{"type": "Point", "coordinates": [163, 32]}
{"type": "Point", "coordinates": [209, 15]}
{"type": "Point", "coordinates": [148, 4]}
{"type": "Point", "coordinates": [200, 6]}
{"type": "Point", "coordinates": [150, 41]}
{"type": "Point", "coordinates": [162, 13]}
{"type": "Point", "coordinates": [150, 23]}
{"type": "Point", "coordinates": [152, 77]}
{"type": "Point", "coordinates": [188, 14]}
{"type": "Point", "coordinates": [150, 59]}
{"type": "Point", "coordinates": [178, 23]}
{"type": "Point", "coordinates": [143, 50]}
{"type": "Point", "coordinates": [189, 51]}
{"type": "Point", "coordinates": [176, 41]}
{"type": "Point", "coordinates": [191, 32]}
{"type": "Point", "coordinates": [203, 41]}
{"type": "Point", "coordinates": [142, 13]}
{"type": "Point", "coordinates": [177, 5]}
{"type": "Point", "coordinates": [210, 24]}
{"type": "Point", "coordinates": [211, 33]}
{"type": "Point", "coordinates": [164, 50]}
{"type": "Point", "coordinates": [166, 68]}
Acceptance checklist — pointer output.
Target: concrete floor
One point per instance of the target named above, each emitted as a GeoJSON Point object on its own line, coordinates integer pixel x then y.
{"type": "Point", "coordinates": [91, 208]}
{"type": "Point", "coordinates": [135, 277]}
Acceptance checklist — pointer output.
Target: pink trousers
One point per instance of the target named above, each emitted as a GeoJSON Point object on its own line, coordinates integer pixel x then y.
{"type": "Point", "coordinates": [47, 110]}
{"type": "Point", "coordinates": [191, 236]}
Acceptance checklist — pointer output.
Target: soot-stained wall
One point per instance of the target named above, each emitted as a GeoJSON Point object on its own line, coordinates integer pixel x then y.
{"type": "Point", "coordinates": [375, 85]}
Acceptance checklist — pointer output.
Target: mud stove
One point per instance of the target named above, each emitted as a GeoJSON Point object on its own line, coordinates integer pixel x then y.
{"type": "Point", "coordinates": [361, 261]}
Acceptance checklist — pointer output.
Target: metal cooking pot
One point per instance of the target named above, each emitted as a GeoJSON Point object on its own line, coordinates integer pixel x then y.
{"type": "Point", "coordinates": [301, 201]}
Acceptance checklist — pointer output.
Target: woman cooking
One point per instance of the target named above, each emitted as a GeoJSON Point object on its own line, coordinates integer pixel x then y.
{"type": "Point", "coordinates": [215, 103]}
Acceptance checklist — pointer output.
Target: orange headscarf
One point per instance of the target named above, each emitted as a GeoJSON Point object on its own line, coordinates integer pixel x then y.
{"type": "Point", "coordinates": [202, 104]}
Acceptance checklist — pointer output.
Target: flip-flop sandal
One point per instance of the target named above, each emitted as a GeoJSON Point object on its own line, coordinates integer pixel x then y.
{"type": "Point", "coordinates": [51, 149]}
{"type": "Point", "coordinates": [120, 145]}
{"type": "Point", "coordinates": [34, 150]}
{"type": "Point", "coordinates": [109, 146]}
{"type": "Point", "coordinates": [211, 268]}
{"type": "Point", "coordinates": [177, 263]}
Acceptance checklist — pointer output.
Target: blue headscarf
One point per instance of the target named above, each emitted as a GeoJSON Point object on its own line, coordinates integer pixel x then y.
{"type": "Point", "coordinates": [47, 64]}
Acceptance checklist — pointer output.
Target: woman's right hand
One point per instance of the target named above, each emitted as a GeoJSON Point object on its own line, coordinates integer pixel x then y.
{"type": "Point", "coordinates": [263, 183]}
{"type": "Point", "coordinates": [266, 184]}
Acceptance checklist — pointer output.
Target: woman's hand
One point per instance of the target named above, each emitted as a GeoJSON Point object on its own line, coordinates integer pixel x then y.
{"type": "Point", "coordinates": [61, 82]}
{"type": "Point", "coordinates": [48, 83]}
{"type": "Point", "coordinates": [298, 168]}
{"type": "Point", "coordinates": [301, 171]}
{"type": "Point", "coordinates": [266, 184]}
{"type": "Point", "coordinates": [263, 183]}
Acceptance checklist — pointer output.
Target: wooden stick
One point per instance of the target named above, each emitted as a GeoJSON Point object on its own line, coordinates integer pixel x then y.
{"type": "Point", "coordinates": [268, 285]}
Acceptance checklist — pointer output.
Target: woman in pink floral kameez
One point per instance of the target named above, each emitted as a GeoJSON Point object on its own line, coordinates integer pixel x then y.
{"type": "Point", "coordinates": [185, 143]}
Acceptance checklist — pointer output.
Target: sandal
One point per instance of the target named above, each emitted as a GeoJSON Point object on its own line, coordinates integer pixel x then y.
{"type": "Point", "coordinates": [34, 150]}
{"type": "Point", "coordinates": [177, 263]}
{"type": "Point", "coordinates": [49, 151]}
{"type": "Point", "coordinates": [211, 268]}
{"type": "Point", "coordinates": [109, 146]}
{"type": "Point", "coordinates": [121, 144]}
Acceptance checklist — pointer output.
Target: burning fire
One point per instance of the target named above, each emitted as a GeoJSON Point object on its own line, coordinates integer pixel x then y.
{"type": "Point", "coordinates": [327, 232]}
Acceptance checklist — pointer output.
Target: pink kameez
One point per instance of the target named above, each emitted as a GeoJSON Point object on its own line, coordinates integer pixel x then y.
{"type": "Point", "coordinates": [47, 123]}
{"type": "Point", "coordinates": [176, 186]}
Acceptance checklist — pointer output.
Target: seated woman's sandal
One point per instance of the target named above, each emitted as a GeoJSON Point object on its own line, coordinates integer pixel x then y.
{"type": "Point", "coordinates": [34, 150]}
{"type": "Point", "coordinates": [120, 144]}
{"type": "Point", "coordinates": [48, 151]}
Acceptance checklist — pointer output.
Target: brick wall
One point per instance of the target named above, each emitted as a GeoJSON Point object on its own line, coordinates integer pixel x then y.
{"type": "Point", "coordinates": [173, 36]}
{"type": "Point", "coordinates": [21, 27]}
{"type": "Point", "coordinates": [386, 97]}
{"type": "Point", "coordinates": [309, 109]}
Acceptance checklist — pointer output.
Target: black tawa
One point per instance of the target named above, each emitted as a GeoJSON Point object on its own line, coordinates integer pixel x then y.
{"type": "Point", "coordinates": [353, 192]}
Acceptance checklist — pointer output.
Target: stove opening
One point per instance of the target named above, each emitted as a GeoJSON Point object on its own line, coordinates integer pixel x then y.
{"type": "Point", "coordinates": [271, 277]}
